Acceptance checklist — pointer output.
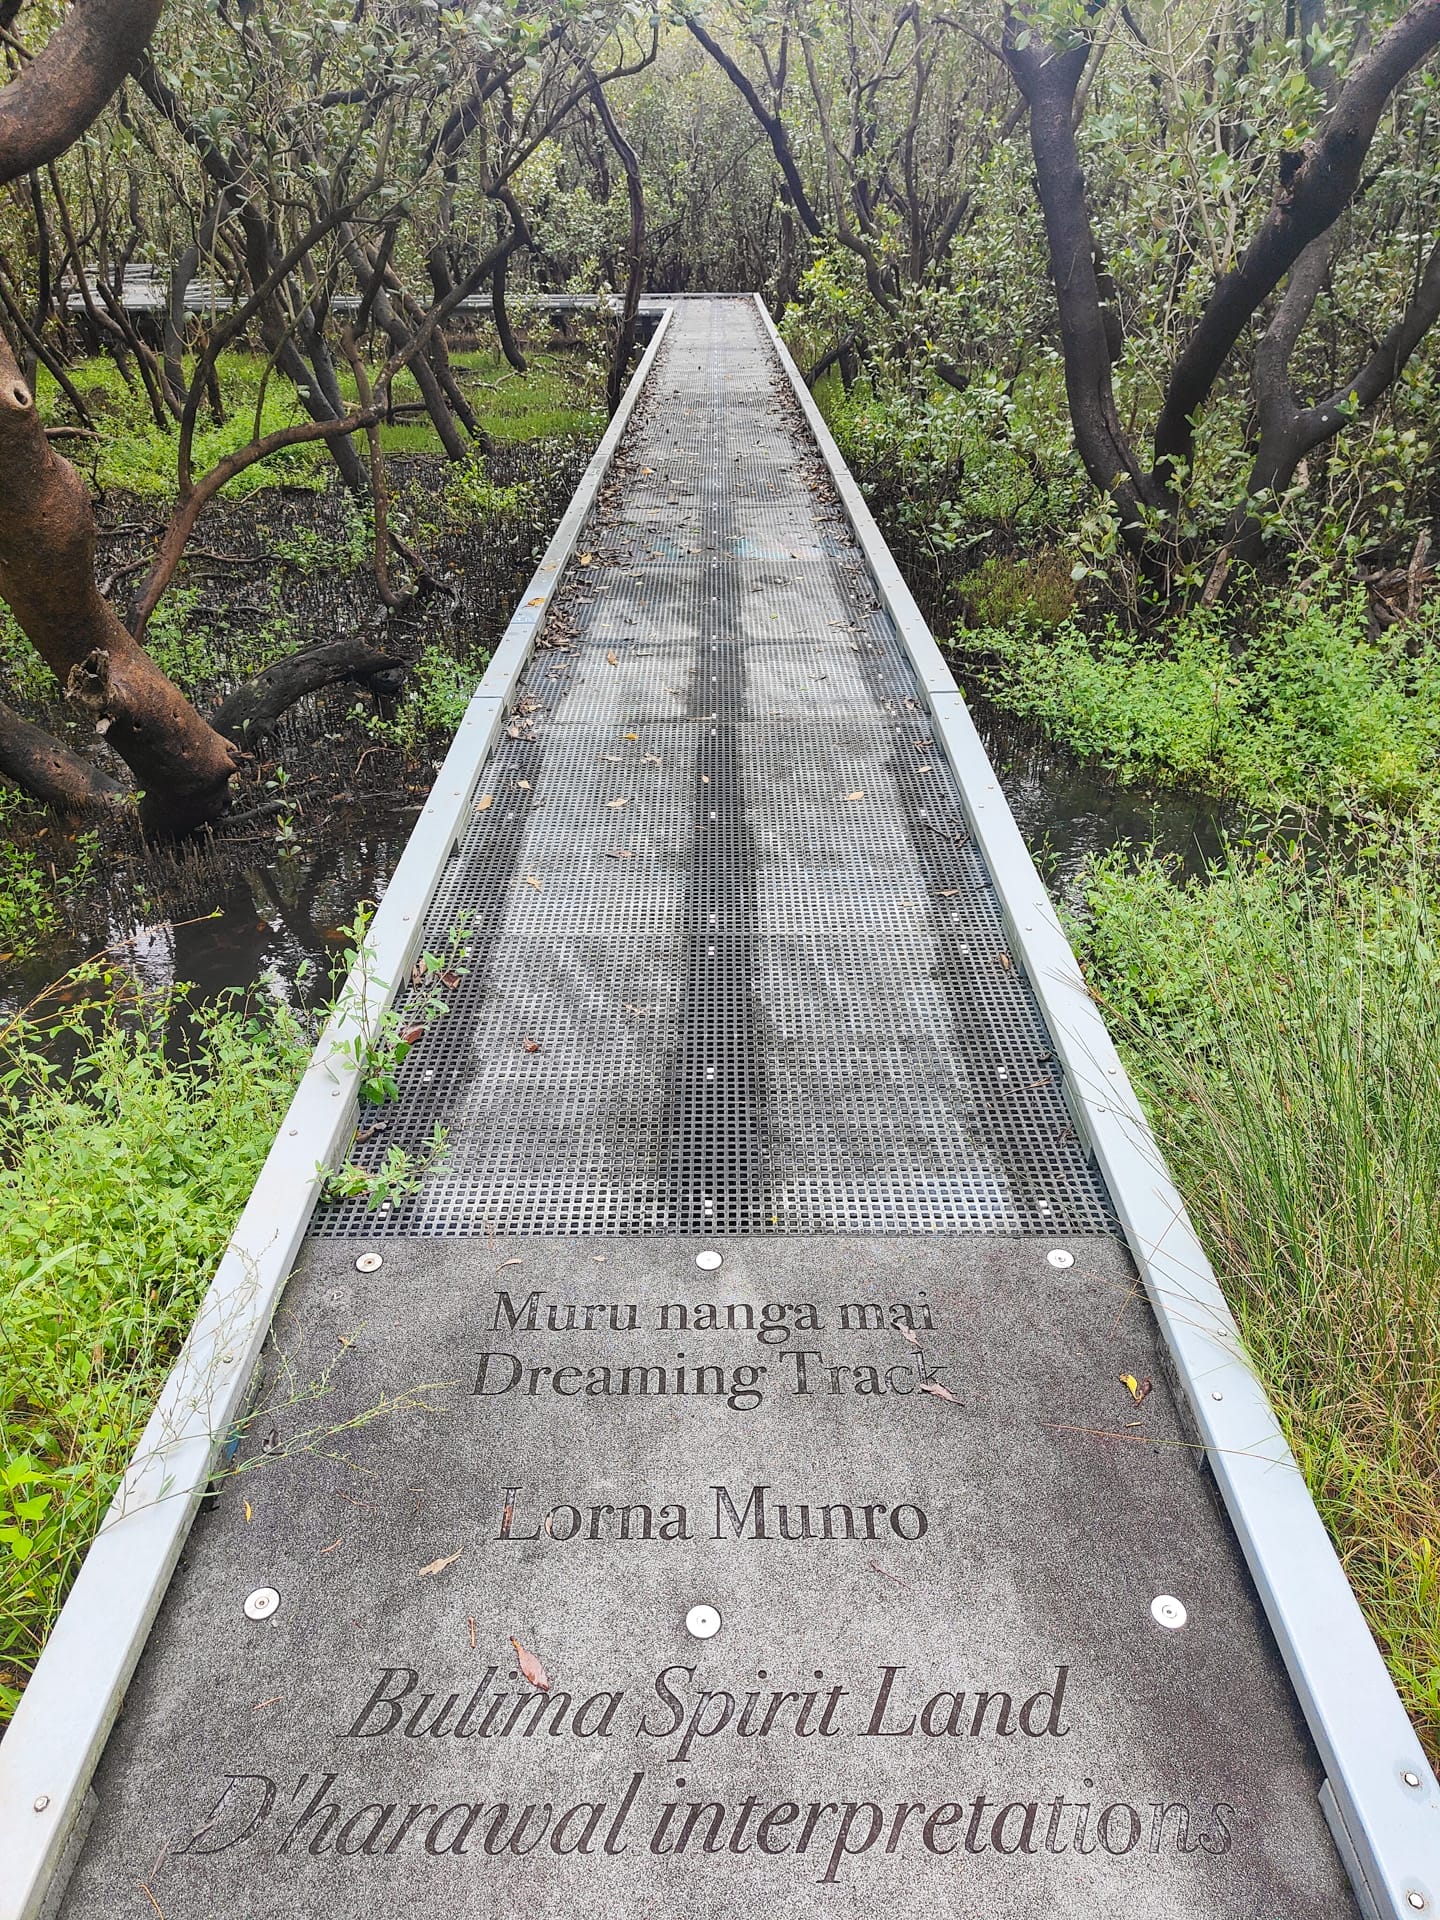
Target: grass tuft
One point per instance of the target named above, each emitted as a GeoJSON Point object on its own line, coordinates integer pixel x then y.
{"type": "Point", "coordinates": [1282, 1024]}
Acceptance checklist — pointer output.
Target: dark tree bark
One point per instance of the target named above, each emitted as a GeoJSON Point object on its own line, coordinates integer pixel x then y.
{"type": "Point", "coordinates": [1307, 204]}
{"type": "Point", "coordinates": [635, 250]}
{"type": "Point", "coordinates": [42, 767]}
{"type": "Point", "coordinates": [250, 712]}
{"type": "Point", "coordinates": [1290, 241]}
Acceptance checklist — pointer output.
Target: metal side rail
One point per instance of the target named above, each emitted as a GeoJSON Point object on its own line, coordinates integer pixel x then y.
{"type": "Point", "coordinates": [49, 1753]}
{"type": "Point", "coordinates": [1381, 1796]}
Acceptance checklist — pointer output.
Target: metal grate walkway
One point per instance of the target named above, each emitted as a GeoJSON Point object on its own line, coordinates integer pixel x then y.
{"type": "Point", "coordinates": [733, 964]}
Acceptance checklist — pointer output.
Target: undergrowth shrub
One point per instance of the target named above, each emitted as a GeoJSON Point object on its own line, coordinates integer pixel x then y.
{"type": "Point", "coordinates": [1287, 700]}
{"type": "Point", "coordinates": [129, 1141]}
{"type": "Point", "coordinates": [1282, 1025]}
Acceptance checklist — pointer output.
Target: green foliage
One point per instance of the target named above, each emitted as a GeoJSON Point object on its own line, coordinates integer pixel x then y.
{"type": "Point", "coordinates": [1281, 1019]}
{"type": "Point", "coordinates": [33, 894]}
{"type": "Point", "coordinates": [1021, 592]}
{"type": "Point", "coordinates": [954, 470]}
{"type": "Point", "coordinates": [399, 1176]}
{"type": "Point", "coordinates": [1285, 698]}
{"type": "Point", "coordinates": [120, 1180]}
{"type": "Point", "coordinates": [378, 1042]}
{"type": "Point", "coordinates": [471, 493]}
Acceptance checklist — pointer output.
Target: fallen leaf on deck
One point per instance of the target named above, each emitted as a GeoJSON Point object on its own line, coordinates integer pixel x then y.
{"type": "Point", "coordinates": [618, 853]}
{"type": "Point", "coordinates": [532, 1046]}
{"type": "Point", "coordinates": [516, 1262]}
{"type": "Point", "coordinates": [522, 786]}
{"type": "Point", "coordinates": [614, 804]}
{"type": "Point", "coordinates": [940, 1393]}
{"type": "Point", "coordinates": [1004, 961]}
{"type": "Point", "coordinates": [909, 1333]}
{"type": "Point", "coordinates": [410, 1035]}
{"type": "Point", "coordinates": [531, 1667]}
{"type": "Point", "coordinates": [859, 794]}
{"type": "Point", "coordinates": [613, 658]}
{"type": "Point", "coordinates": [629, 736]}
{"type": "Point", "coordinates": [531, 881]}
{"type": "Point", "coordinates": [438, 1566]}
{"type": "Point", "coordinates": [538, 601]}
{"type": "Point", "coordinates": [484, 803]}
{"type": "Point", "coordinates": [1138, 1388]}
{"type": "Point", "coordinates": [249, 1513]}
{"type": "Point", "coordinates": [586, 558]}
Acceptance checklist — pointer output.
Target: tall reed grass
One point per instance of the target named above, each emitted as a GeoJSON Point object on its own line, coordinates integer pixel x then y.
{"type": "Point", "coordinates": [1282, 1024]}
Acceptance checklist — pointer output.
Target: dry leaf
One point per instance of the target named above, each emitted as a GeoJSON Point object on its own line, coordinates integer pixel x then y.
{"type": "Point", "coordinates": [909, 1333]}
{"type": "Point", "coordinates": [1005, 962]}
{"type": "Point", "coordinates": [532, 1046]}
{"type": "Point", "coordinates": [613, 658]}
{"type": "Point", "coordinates": [940, 1393]}
{"type": "Point", "coordinates": [1138, 1391]}
{"type": "Point", "coordinates": [484, 803]}
{"type": "Point", "coordinates": [409, 1035]}
{"type": "Point", "coordinates": [586, 558]}
{"type": "Point", "coordinates": [948, 893]}
{"type": "Point", "coordinates": [509, 1263]}
{"type": "Point", "coordinates": [531, 881]}
{"type": "Point", "coordinates": [438, 1566]}
{"type": "Point", "coordinates": [538, 601]}
{"type": "Point", "coordinates": [249, 1513]}
{"type": "Point", "coordinates": [471, 1624]}
{"type": "Point", "coordinates": [618, 853]}
{"type": "Point", "coordinates": [1129, 1380]}
{"type": "Point", "coordinates": [859, 794]}
{"type": "Point", "coordinates": [629, 736]}
{"type": "Point", "coordinates": [522, 786]}
{"type": "Point", "coordinates": [531, 1667]}
{"type": "Point", "coordinates": [621, 802]}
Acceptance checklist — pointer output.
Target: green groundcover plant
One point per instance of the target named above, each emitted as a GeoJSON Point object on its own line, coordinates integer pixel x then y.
{"type": "Point", "coordinates": [132, 1125]}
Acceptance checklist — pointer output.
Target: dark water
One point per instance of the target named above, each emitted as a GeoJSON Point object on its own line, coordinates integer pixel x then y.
{"type": "Point", "coordinates": [277, 925]}
{"type": "Point", "coordinates": [1069, 812]}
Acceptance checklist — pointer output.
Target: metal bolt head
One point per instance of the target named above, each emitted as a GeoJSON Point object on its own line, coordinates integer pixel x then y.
{"type": "Point", "coordinates": [1167, 1611]}
{"type": "Point", "coordinates": [702, 1623]}
{"type": "Point", "coordinates": [1411, 1779]}
{"type": "Point", "coordinates": [1416, 1900]}
{"type": "Point", "coordinates": [369, 1262]}
{"type": "Point", "coordinates": [708, 1261]}
{"type": "Point", "coordinates": [42, 1800]}
{"type": "Point", "coordinates": [1060, 1257]}
{"type": "Point", "coordinates": [260, 1604]}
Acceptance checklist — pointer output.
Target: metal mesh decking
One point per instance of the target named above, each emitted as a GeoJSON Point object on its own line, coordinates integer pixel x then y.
{"type": "Point", "coordinates": [733, 965]}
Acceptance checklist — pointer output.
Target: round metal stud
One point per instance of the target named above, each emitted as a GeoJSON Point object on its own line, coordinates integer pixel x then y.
{"type": "Point", "coordinates": [1058, 1257]}
{"type": "Point", "coordinates": [1410, 1779]}
{"type": "Point", "coordinates": [702, 1623]}
{"type": "Point", "coordinates": [42, 1800]}
{"type": "Point", "coordinates": [1167, 1611]}
{"type": "Point", "coordinates": [708, 1261]}
{"type": "Point", "coordinates": [260, 1604]}
{"type": "Point", "coordinates": [369, 1262]}
{"type": "Point", "coordinates": [1416, 1900]}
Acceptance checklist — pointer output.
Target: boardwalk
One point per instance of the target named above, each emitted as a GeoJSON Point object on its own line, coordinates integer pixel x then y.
{"type": "Point", "coordinates": [716, 1492]}
{"type": "Point", "coordinates": [725, 887]}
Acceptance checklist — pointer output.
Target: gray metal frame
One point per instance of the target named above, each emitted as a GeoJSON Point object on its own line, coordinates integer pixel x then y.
{"type": "Point", "coordinates": [1381, 1797]}
{"type": "Point", "coordinates": [59, 1731]}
